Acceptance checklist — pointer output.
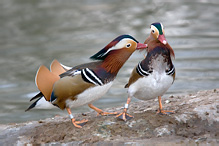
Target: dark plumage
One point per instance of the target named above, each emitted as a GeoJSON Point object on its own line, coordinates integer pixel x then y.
{"type": "Point", "coordinates": [154, 74]}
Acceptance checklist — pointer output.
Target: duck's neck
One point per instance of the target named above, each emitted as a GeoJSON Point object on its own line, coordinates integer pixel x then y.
{"type": "Point", "coordinates": [155, 43]}
{"type": "Point", "coordinates": [114, 62]}
{"type": "Point", "coordinates": [149, 39]}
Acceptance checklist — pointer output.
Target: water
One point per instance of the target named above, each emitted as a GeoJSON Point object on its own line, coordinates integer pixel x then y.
{"type": "Point", "coordinates": [36, 32]}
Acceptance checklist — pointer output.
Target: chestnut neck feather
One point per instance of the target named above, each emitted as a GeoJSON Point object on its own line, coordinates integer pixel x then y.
{"type": "Point", "coordinates": [115, 60]}
{"type": "Point", "coordinates": [150, 38]}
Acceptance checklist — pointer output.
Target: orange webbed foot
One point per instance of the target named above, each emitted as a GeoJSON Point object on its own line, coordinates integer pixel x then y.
{"type": "Point", "coordinates": [79, 124]}
{"type": "Point", "coordinates": [124, 116]}
{"type": "Point", "coordinates": [164, 112]}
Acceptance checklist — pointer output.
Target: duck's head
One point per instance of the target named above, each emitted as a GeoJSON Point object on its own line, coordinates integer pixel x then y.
{"type": "Point", "coordinates": [157, 33]}
{"type": "Point", "coordinates": [124, 44]}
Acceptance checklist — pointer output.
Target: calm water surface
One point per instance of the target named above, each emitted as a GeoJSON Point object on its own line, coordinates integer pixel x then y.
{"type": "Point", "coordinates": [36, 32]}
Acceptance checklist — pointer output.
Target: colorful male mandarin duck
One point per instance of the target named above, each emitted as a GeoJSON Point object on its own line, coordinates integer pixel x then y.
{"type": "Point", "coordinates": [85, 83]}
{"type": "Point", "coordinates": [154, 75]}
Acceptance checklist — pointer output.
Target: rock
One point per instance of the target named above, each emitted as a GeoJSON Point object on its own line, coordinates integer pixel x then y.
{"type": "Point", "coordinates": [195, 121]}
{"type": "Point", "coordinates": [162, 131]}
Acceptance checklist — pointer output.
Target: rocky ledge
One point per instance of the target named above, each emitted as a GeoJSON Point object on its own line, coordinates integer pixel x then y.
{"type": "Point", "coordinates": [196, 121]}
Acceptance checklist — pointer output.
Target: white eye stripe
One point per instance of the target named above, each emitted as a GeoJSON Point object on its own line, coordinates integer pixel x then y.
{"type": "Point", "coordinates": [161, 26]}
{"type": "Point", "coordinates": [110, 49]}
{"type": "Point", "coordinates": [121, 44]}
{"type": "Point", "coordinates": [153, 28]}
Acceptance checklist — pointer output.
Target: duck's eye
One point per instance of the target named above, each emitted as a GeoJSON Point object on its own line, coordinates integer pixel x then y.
{"type": "Point", "coordinates": [152, 31]}
{"type": "Point", "coordinates": [128, 45]}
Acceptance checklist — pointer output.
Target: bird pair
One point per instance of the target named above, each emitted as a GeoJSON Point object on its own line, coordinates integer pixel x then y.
{"type": "Point", "coordinates": [68, 87]}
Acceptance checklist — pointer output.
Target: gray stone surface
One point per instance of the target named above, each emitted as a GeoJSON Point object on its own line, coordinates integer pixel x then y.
{"type": "Point", "coordinates": [195, 121]}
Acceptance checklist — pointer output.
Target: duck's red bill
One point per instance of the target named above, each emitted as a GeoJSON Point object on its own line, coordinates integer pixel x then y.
{"type": "Point", "coordinates": [162, 39]}
{"type": "Point", "coordinates": [141, 46]}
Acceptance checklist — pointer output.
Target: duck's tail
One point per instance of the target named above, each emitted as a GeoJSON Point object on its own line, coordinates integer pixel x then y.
{"type": "Point", "coordinates": [45, 80]}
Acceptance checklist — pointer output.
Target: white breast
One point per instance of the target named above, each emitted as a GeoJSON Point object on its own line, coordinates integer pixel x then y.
{"type": "Point", "coordinates": [151, 86]}
{"type": "Point", "coordinates": [89, 95]}
{"type": "Point", "coordinates": [154, 85]}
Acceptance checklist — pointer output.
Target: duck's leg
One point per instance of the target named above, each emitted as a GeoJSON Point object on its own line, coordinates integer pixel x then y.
{"type": "Point", "coordinates": [160, 111]}
{"type": "Point", "coordinates": [101, 112]}
{"type": "Point", "coordinates": [77, 124]}
{"type": "Point", "coordinates": [124, 116]}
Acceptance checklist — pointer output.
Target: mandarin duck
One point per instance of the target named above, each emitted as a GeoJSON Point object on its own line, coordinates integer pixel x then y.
{"type": "Point", "coordinates": [153, 75]}
{"type": "Point", "coordinates": [83, 84]}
